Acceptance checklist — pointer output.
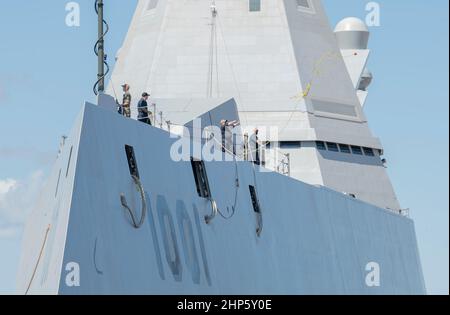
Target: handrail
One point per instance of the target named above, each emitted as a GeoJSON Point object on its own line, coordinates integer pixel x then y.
{"type": "Point", "coordinates": [281, 163]}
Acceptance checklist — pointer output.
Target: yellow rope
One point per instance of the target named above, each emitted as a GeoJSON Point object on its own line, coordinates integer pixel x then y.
{"type": "Point", "coordinates": [39, 259]}
{"type": "Point", "coordinates": [317, 72]}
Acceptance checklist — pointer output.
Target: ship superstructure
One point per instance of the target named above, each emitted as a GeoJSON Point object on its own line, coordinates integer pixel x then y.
{"type": "Point", "coordinates": [285, 67]}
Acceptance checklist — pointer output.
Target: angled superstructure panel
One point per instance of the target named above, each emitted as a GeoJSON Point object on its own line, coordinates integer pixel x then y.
{"type": "Point", "coordinates": [45, 232]}
{"type": "Point", "coordinates": [355, 61]}
{"type": "Point", "coordinates": [180, 51]}
{"type": "Point", "coordinates": [136, 57]}
{"type": "Point", "coordinates": [318, 56]}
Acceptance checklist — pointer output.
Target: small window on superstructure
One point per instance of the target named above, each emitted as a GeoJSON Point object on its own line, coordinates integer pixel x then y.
{"type": "Point", "coordinates": [321, 145]}
{"type": "Point", "coordinates": [357, 150]}
{"type": "Point", "coordinates": [254, 5]}
{"type": "Point", "coordinates": [368, 151]}
{"type": "Point", "coordinates": [345, 148]}
{"type": "Point", "coordinates": [332, 147]}
{"type": "Point", "coordinates": [152, 4]}
{"type": "Point", "coordinates": [290, 144]}
{"type": "Point", "coordinates": [305, 6]}
{"type": "Point", "coordinates": [303, 3]}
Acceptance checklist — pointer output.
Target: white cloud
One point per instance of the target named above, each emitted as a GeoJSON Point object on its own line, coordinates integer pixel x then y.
{"type": "Point", "coordinates": [6, 185]}
{"type": "Point", "coordinates": [17, 198]}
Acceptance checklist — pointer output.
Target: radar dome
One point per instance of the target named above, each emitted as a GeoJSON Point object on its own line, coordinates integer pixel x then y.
{"type": "Point", "coordinates": [352, 33]}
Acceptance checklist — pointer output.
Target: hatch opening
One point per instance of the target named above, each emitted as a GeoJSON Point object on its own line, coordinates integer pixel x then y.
{"type": "Point", "coordinates": [201, 178]}
{"type": "Point", "coordinates": [132, 163]}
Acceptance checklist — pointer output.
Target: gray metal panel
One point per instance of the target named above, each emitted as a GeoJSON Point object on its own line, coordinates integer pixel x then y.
{"type": "Point", "coordinates": [334, 108]}
{"type": "Point", "coordinates": [318, 57]}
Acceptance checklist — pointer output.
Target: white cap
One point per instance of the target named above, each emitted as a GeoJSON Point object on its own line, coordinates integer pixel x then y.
{"type": "Point", "coordinates": [351, 24]}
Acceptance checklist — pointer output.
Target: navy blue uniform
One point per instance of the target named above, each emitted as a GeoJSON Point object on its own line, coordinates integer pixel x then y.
{"type": "Point", "coordinates": [143, 113]}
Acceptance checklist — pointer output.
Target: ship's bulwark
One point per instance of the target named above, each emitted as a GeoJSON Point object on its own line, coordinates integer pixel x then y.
{"type": "Point", "coordinates": [314, 240]}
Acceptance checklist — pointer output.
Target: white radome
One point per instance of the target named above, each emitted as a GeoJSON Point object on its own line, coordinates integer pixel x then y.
{"type": "Point", "coordinates": [352, 33]}
{"type": "Point", "coordinates": [351, 24]}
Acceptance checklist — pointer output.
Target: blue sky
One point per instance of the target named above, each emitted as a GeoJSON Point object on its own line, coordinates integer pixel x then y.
{"type": "Point", "coordinates": [47, 70]}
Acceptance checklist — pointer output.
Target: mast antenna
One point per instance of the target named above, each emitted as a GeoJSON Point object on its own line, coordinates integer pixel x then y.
{"type": "Point", "coordinates": [99, 49]}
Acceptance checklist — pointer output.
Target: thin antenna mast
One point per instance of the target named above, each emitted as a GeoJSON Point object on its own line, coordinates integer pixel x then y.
{"type": "Point", "coordinates": [101, 49]}
{"type": "Point", "coordinates": [99, 87]}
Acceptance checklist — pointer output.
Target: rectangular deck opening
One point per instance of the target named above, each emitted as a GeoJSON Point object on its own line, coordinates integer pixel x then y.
{"type": "Point", "coordinates": [255, 201]}
{"type": "Point", "coordinates": [132, 163]}
{"type": "Point", "coordinates": [201, 178]}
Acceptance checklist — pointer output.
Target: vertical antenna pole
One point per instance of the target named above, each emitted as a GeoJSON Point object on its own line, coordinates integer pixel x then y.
{"type": "Point", "coordinates": [101, 49]}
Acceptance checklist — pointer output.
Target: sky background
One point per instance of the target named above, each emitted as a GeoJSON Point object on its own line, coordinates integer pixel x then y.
{"type": "Point", "coordinates": [47, 70]}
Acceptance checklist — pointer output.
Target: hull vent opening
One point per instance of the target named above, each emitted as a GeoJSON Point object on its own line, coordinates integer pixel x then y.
{"type": "Point", "coordinates": [203, 189]}
{"type": "Point", "coordinates": [134, 172]}
{"type": "Point", "coordinates": [256, 209]}
{"type": "Point", "coordinates": [57, 183]}
{"type": "Point", "coordinates": [255, 201]}
{"type": "Point", "coordinates": [132, 163]}
{"type": "Point", "coordinates": [68, 162]}
{"type": "Point", "coordinates": [201, 178]}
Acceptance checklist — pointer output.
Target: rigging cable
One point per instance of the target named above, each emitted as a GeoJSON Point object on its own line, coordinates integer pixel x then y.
{"type": "Point", "coordinates": [215, 208]}
{"type": "Point", "coordinates": [39, 260]}
{"type": "Point", "coordinates": [212, 51]}
{"type": "Point", "coordinates": [217, 57]}
{"type": "Point", "coordinates": [123, 201]}
{"type": "Point", "coordinates": [232, 69]}
{"type": "Point", "coordinates": [316, 73]}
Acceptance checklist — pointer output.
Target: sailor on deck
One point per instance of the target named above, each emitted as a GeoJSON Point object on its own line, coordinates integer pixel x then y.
{"type": "Point", "coordinates": [254, 147]}
{"type": "Point", "coordinates": [226, 128]}
{"type": "Point", "coordinates": [126, 103]}
{"type": "Point", "coordinates": [143, 113]}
